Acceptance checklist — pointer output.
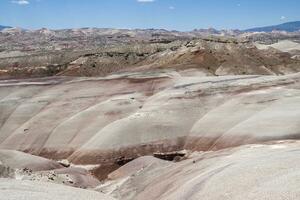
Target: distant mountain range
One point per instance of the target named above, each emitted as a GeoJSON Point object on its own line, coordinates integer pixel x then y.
{"type": "Point", "coordinates": [289, 27]}
{"type": "Point", "coordinates": [3, 27]}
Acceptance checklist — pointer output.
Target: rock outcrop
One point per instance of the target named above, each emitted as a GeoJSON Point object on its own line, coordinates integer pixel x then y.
{"type": "Point", "coordinates": [106, 121]}
{"type": "Point", "coordinates": [28, 190]}
{"type": "Point", "coordinates": [100, 52]}
{"type": "Point", "coordinates": [248, 172]}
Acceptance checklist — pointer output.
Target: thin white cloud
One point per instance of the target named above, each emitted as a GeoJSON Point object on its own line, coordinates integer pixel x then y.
{"type": "Point", "coordinates": [145, 1]}
{"type": "Point", "coordinates": [171, 7]}
{"type": "Point", "coordinates": [21, 2]}
{"type": "Point", "coordinates": [282, 17]}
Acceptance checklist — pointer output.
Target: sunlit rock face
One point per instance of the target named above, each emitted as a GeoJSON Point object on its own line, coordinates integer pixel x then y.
{"type": "Point", "coordinates": [247, 172]}
{"type": "Point", "coordinates": [29, 190]}
{"type": "Point", "coordinates": [101, 121]}
{"type": "Point", "coordinates": [210, 55]}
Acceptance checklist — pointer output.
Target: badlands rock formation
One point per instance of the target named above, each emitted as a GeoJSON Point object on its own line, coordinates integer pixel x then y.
{"type": "Point", "coordinates": [19, 160]}
{"type": "Point", "coordinates": [24, 176]}
{"type": "Point", "coordinates": [152, 114]}
{"type": "Point", "coordinates": [211, 56]}
{"type": "Point", "coordinates": [24, 166]}
{"type": "Point", "coordinates": [108, 121]}
{"type": "Point", "coordinates": [249, 172]}
{"type": "Point", "coordinates": [29, 190]}
{"type": "Point", "coordinates": [100, 52]}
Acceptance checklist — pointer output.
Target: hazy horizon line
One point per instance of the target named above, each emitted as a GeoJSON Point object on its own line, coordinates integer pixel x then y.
{"type": "Point", "coordinates": [136, 28]}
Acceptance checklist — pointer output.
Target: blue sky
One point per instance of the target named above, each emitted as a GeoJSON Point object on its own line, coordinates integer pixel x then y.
{"type": "Point", "coordinates": [169, 14]}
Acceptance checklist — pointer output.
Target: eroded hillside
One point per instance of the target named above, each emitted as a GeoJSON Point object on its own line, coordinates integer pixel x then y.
{"type": "Point", "coordinates": [102, 120]}
{"type": "Point", "coordinates": [149, 114]}
{"type": "Point", "coordinates": [100, 52]}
